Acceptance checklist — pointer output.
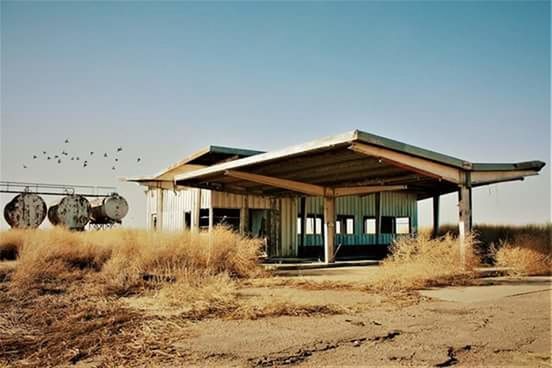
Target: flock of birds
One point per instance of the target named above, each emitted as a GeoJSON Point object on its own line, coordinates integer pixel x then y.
{"type": "Point", "coordinates": [64, 156]}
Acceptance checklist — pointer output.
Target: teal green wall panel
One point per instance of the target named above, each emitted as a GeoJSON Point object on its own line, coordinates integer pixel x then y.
{"type": "Point", "coordinates": [397, 204]}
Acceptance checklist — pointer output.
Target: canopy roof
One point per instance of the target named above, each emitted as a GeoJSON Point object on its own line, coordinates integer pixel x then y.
{"type": "Point", "coordinates": [204, 157]}
{"type": "Point", "coordinates": [351, 163]}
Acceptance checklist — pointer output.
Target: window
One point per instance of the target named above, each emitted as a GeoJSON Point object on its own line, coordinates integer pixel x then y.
{"type": "Point", "coordinates": [369, 225]}
{"type": "Point", "coordinates": [402, 225]}
{"type": "Point", "coordinates": [313, 225]}
{"type": "Point", "coordinates": [387, 223]}
{"type": "Point", "coordinates": [345, 224]}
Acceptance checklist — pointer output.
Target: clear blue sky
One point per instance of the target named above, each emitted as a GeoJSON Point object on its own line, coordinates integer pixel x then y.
{"type": "Point", "coordinates": [470, 79]}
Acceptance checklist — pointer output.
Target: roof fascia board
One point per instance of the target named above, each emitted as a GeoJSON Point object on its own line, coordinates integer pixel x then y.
{"type": "Point", "coordinates": [376, 140]}
{"type": "Point", "coordinates": [268, 156]}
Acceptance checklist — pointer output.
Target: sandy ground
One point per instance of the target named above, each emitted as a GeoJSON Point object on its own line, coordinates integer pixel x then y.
{"type": "Point", "coordinates": [505, 323]}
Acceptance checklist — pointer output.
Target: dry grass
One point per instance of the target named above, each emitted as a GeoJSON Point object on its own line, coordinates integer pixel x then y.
{"type": "Point", "coordinates": [526, 255]}
{"type": "Point", "coordinates": [10, 243]}
{"type": "Point", "coordinates": [524, 249]}
{"type": "Point", "coordinates": [420, 262]}
{"type": "Point", "coordinates": [125, 259]}
{"type": "Point", "coordinates": [61, 302]}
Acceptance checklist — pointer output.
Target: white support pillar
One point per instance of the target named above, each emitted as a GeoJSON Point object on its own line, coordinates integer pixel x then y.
{"type": "Point", "coordinates": [211, 216]}
{"type": "Point", "coordinates": [464, 218]}
{"type": "Point", "coordinates": [196, 208]}
{"type": "Point", "coordinates": [329, 229]}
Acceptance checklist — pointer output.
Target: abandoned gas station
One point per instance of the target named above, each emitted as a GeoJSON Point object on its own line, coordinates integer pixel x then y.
{"type": "Point", "coordinates": [343, 196]}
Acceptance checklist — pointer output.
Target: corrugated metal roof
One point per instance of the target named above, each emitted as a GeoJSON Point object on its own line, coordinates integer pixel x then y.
{"type": "Point", "coordinates": [333, 161]}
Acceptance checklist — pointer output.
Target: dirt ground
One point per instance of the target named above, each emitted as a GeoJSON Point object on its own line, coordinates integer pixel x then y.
{"type": "Point", "coordinates": [502, 322]}
{"type": "Point", "coordinates": [507, 329]}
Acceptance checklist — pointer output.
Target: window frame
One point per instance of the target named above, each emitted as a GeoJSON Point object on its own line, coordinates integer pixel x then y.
{"type": "Point", "coordinates": [396, 224]}
{"type": "Point", "coordinates": [365, 228]}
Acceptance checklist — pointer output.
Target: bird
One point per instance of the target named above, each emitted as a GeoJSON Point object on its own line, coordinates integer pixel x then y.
{"type": "Point", "coordinates": [77, 158]}
{"type": "Point", "coordinates": [43, 152]}
{"type": "Point", "coordinates": [64, 153]}
{"type": "Point", "coordinates": [49, 158]}
{"type": "Point", "coordinates": [119, 149]}
{"type": "Point", "coordinates": [59, 161]}
{"type": "Point", "coordinates": [84, 164]}
{"type": "Point", "coordinates": [72, 159]}
{"type": "Point", "coordinates": [56, 156]}
{"type": "Point", "coordinates": [113, 168]}
{"type": "Point", "coordinates": [34, 157]}
{"type": "Point", "coordinates": [105, 154]}
{"type": "Point", "coordinates": [67, 140]}
{"type": "Point", "coordinates": [116, 160]}
{"type": "Point", "coordinates": [138, 159]}
{"type": "Point", "coordinates": [91, 153]}
{"type": "Point", "coordinates": [24, 166]}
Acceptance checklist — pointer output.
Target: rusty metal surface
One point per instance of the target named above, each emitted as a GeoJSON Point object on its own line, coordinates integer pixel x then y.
{"type": "Point", "coordinates": [25, 211]}
{"type": "Point", "coordinates": [109, 209]}
{"type": "Point", "coordinates": [73, 212]}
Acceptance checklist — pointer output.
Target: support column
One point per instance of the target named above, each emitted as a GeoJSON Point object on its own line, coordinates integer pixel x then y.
{"type": "Point", "coordinates": [464, 216]}
{"type": "Point", "coordinates": [329, 229]}
{"type": "Point", "coordinates": [378, 217]}
{"type": "Point", "coordinates": [436, 208]}
{"type": "Point", "coordinates": [244, 215]}
{"type": "Point", "coordinates": [211, 215]}
{"type": "Point", "coordinates": [196, 209]}
{"type": "Point", "coordinates": [303, 220]}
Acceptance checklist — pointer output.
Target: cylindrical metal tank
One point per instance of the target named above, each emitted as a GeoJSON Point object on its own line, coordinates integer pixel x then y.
{"type": "Point", "coordinates": [109, 209]}
{"type": "Point", "coordinates": [73, 212]}
{"type": "Point", "coordinates": [25, 211]}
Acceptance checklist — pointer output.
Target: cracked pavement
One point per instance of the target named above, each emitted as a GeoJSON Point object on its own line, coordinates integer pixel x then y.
{"type": "Point", "coordinates": [506, 330]}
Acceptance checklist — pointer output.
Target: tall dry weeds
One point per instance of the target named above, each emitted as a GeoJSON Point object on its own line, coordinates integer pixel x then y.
{"type": "Point", "coordinates": [526, 254]}
{"type": "Point", "coordinates": [419, 262]}
{"type": "Point", "coordinates": [124, 259]}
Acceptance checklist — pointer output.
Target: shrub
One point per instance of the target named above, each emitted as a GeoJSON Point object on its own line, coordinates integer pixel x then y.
{"type": "Point", "coordinates": [526, 254]}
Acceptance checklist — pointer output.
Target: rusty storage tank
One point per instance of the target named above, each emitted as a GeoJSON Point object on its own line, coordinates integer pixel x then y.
{"type": "Point", "coordinates": [25, 211]}
{"type": "Point", "coordinates": [111, 209]}
{"type": "Point", "coordinates": [72, 212]}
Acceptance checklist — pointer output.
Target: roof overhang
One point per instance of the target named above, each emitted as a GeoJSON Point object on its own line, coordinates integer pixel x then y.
{"type": "Point", "coordinates": [197, 160]}
{"type": "Point", "coordinates": [351, 163]}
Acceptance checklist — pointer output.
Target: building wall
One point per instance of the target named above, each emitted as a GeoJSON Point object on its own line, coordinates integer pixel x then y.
{"type": "Point", "coordinates": [170, 206]}
{"type": "Point", "coordinates": [397, 204]}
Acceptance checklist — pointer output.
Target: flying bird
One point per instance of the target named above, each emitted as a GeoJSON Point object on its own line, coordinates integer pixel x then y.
{"type": "Point", "coordinates": [43, 152]}
{"type": "Point", "coordinates": [105, 154]}
{"type": "Point", "coordinates": [77, 158]}
{"type": "Point", "coordinates": [67, 140]}
{"type": "Point", "coordinates": [138, 159]}
{"type": "Point", "coordinates": [64, 153]}
{"type": "Point", "coordinates": [34, 157]}
{"type": "Point", "coordinates": [59, 161]}
{"type": "Point", "coordinates": [72, 159]}
{"type": "Point", "coordinates": [24, 166]}
{"type": "Point", "coordinates": [119, 149]}
{"type": "Point", "coordinates": [113, 168]}
{"type": "Point", "coordinates": [49, 158]}
{"type": "Point", "coordinates": [116, 160]}
{"type": "Point", "coordinates": [56, 156]}
{"type": "Point", "coordinates": [91, 153]}
{"type": "Point", "coordinates": [84, 164]}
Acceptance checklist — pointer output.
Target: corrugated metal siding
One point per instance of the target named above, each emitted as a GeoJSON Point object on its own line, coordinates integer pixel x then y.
{"type": "Point", "coordinates": [288, 223]}
{"type": "Point", "coordinates": [230, 200]}
{"type": "Point", "coordinates": [392, 203]}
